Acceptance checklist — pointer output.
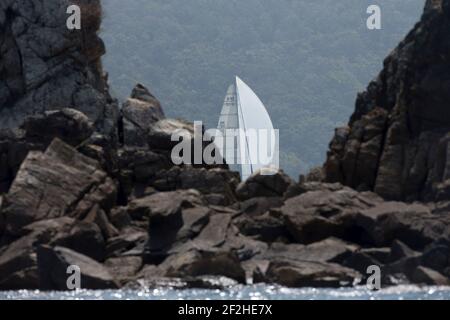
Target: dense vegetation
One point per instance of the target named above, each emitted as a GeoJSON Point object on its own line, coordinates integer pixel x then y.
{"type": "Point", "coordinates": [305, 59]}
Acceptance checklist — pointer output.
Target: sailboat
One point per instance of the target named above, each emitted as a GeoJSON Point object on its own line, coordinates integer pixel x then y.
{"type": "Point", "coordinates": [243, 112]}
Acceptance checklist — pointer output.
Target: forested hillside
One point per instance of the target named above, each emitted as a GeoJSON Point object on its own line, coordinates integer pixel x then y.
{"type": "Point", "coordinates": [305, 59]}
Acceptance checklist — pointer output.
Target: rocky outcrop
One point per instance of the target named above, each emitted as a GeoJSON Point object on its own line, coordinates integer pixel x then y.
{"type": "Point", "coordinates": [259, 185]}
{"type": "Point", "coordinates": [71, 194]}
{"type": "Point", "coordinates": [18, 263]}
{"type": "Point", "coordinates": [54, 263]}
{"type": "Point", "coordinates": [77, 180]}
{"type": "Point", "coordinates": [139, 113]}
{"type": "Point", "coordinates": [218, 184]}
{"type": "Point", "coordinates": [69, 125]}
{"type": "Point", "coordinates": [396, 142]}
{"type": "Point", "coordinates": [327, 235]}
{"type": "Point", "coordinates": [316, 215]}
{"type": "Point", "coordinates": [36, 133]}
{"type": "Point", "coordinates": [45, 66]}
{"type": "Point", "coordinates": [199, 262]}
{"type": "Point", "coordinates": [310, 274]}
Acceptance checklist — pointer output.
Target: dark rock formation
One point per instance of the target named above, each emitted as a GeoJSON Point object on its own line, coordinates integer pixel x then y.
{"type": "Point", "coordinates": [53, 265]}
{"type": "Point", "coordinates": [124, 269]}
{"type": "Point", "coordinates": [268, 227]}
{"type": "Point", "coordinates": [139, 114]}
{"type": "Point", "coordinates": [428, 276]}
{"type": "Point", "coordinates": [69, 125]}
{"type": "Point", "coordinates": [259, 185]}
{"type": "Point", "coordinates": [198, 262]}
{"type": "Point", "coordinates": [218, 184]}
{"type": "Point", "coordinates": [81, 236]}
{"type": "Point", "coordinates": [77, 180]}
{"type": "Point", "coordinates": [46, 66]}
{"type": "Point", "coordinates": [396, 142]}
{"type": "Point", "coordinates": [316, 215]}
{"type": "Point", "coordinates": [310, 274]}
{"type": "Point", "coordinates": [36, 133]}
{"type": "Point", "coordinates": [82, 186]}
{"type": "Point", "coordinates": [18, 264]}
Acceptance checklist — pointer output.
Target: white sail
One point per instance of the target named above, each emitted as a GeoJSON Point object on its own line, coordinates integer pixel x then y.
{"type": "Point", "coordinates": [243, 110]}
{"type": "Point", "coordinates": [254, 116]}
{"type": "Point", "coordinates": [229, 120]}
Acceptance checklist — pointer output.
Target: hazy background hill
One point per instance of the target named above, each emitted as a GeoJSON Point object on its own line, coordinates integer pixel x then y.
{"type": "Point", "coordinates": [305, 59]}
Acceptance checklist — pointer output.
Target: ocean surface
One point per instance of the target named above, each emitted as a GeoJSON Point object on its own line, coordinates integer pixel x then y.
{"type": "Point", "coordinates": [255, 292]}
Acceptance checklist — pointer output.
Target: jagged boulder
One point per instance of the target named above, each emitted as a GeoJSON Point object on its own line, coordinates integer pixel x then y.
{"type": "Point", "coordinates": [35, 134]}
{"type": "Point", "coordinates": [69, 125]}
{"type": "Point", "coordinates": [60, 170]}
{"type": "Point", "coordinates": [53, 264]}
{"type": "Point", "coordinates": [161, 132]}
{"type": "Point", "coordinates": [168, 235]}
{"type": "Point", "coordinates": [215, 233]}
{"type": "Point", "coordinates": [213, 182]}
{"type": "Point", "coordinates": [260, 185]}
{"type": "Point", "coordinates": [436, 256]}
{"type": "Point", "coordinates": [257, 206]}
{"type": "Point", "coordinates": [311, 274]}
{"type": "Point", "coordinates": [427, 276]}
{"type": "Point", "coordinates": [362, 218]}
{"type": "Point", "coordinates": [130, 242]}
{"type": "Point", "coordinates": [138, 167]}
{"type": "Point", "coordinates": [124, 269]}
{"type": "Point", "coordinates": [399, 250]}
{"type": "Point", "coordinates": [139, 113]}
{"type": "Point", "coordinates": [318, 264]}
{"type": "Point", "coordinates": [172, 218]}
{"type": "Point", "coordinates": [18, 264]}
{"type": "Point", "coordinates": [18, 261]}
{"type": "Point", "coordinates": [82, 236]}
{"type": "Point", "coordinates": [328, 250]}
{"type": "Point", "coordinates": [316, 215]}
{"type": "Point", "coordinates": [413, 224]}
{"type": "Point", "coordinates": [164, 204]}
{"type": "Point", "coordinates": [268, 227]}
{"type": "Point", "coordinates": [199, 262]}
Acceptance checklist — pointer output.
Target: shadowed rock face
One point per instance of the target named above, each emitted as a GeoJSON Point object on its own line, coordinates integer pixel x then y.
{"type": "Point", "coordinates": [397, 140]}
{"type": "Point", "coordinates": [54, 262]}
{"type": "Point", "coordinates": [62, 188]}
{"type": "Point", "coordinates": [45, 66]}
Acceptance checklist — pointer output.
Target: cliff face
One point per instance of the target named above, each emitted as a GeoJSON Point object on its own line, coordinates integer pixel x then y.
{"type": "Point", "coordinates": [397, 140]}
{"type": "Point", "coordinates": [45, 66]}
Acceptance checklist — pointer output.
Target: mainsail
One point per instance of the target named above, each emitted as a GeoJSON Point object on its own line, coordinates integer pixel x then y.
{"type": "Point", "coordinates": [229, 120]}
{"type": "Point", "coordinates": [243, 110]}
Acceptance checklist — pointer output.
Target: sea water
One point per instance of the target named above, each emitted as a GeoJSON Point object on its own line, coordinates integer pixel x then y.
{"type": "Point", "coordinates": [255, 292]}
